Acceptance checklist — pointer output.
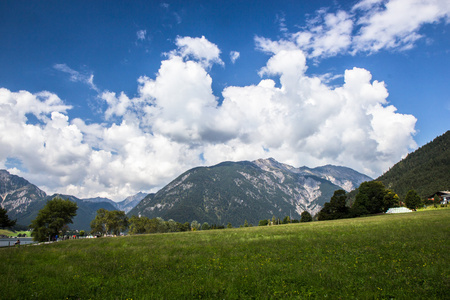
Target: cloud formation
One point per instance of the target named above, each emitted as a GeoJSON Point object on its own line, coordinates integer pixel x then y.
{"type": "Point", "coordinates": [234, 55]}
{"type": "Point", "coordinates": [370, 26]}
{"type": "Point", "coordinates": [175, 122]}
{"type": "Point", "coordinates": [141, 34]}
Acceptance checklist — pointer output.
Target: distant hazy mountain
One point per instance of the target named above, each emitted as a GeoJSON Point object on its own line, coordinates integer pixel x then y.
{"type": "Point", "coordinates": [87, 210]}
{"type": "Point", "coordinates": [426, 170]}
{"type": "Point", "coordinates": [23, 201]}
{"type": "Point", "coordinates": [238, 191]}
{"type": "Point", "coordinates": [130, 202]}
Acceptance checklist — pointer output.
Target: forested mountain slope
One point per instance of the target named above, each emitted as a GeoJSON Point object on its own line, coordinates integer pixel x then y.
{"type": "Point", "coordinates": [426, 170]}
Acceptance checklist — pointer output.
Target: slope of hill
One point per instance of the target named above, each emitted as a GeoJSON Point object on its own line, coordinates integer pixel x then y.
{"type": "Point", "coordinates": [19, 197]}
{"type": "Point", "coordinates": [238, 191]}
{"type": "Point", "coordinates": [426, 170]}
{"type": "Point", "coordinates": [23, 201]}
{"type": "Point", "coordinates": [87, 210]}
{"type": "Point", "coordinates": [130, 202]}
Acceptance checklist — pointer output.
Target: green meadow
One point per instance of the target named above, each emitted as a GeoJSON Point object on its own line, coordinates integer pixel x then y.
{"type": "Point", "coordinates": [401, 256]}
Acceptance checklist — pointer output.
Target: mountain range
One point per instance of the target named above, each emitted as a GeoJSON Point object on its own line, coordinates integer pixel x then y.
{"type": "Point", "coordinates": [228, 192]}
{"type": "Point", "coordinates": [23, 200]}
{"type": "Point", "coordinates": [236, 192]}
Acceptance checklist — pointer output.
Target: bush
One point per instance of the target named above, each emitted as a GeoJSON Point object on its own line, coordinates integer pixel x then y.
{"type": "Point", "coordinates": [263, 223]}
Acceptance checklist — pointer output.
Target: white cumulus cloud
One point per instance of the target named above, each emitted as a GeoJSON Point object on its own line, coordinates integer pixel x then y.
{"type": "Point", "coordinates": [200, 49]}
{"type": "Point", "coordinates": [175, 122]}
{"type": "Point", "coordinates": [370, 26]}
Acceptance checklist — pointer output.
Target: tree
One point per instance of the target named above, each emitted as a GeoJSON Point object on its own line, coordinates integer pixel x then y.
{"type": "Point", "coordinates": [390, 199]}
{"type": "Point", "coordinates": [436, 200]}
{"type": "Point", "coordinates": [229, 225]}
{"type": "Point", "coordinates": [109, 222]}
{"type": "Point", "coordinates": [137, 224]}
{"type": "Point", "coordinates": [369, 199]}
{"type": "Point", "coordinates": [53, 218]}
{"type": "Point", "coordinates": [336, 208]}
{"type": "Point", "coordinates": [306, 217]}
{"type": "Point", "coordinates": [245, 223]}
{"type": "Point", "coordinates": [264, 222]}
{"type": "Point", "coordinates": [98, 225]}
{"type": "Point", "coordinates": [117, 221]}
{"type": "Point", "coordinates": [286, 220]}
{"type": "Point", "coordinates": [5, 222]}
{"type": "Point", "coordinates": [195, 225]}
{"type": "Point", "coordinates": [205, 226]}
{"type": "Point", "coordinates": [412, 200]}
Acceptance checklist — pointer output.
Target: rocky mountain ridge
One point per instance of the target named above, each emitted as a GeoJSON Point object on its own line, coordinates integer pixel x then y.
{"type": "Point", "coordinates": [23, 200]}
{"type": "Point", "coordinates": [238, 191]}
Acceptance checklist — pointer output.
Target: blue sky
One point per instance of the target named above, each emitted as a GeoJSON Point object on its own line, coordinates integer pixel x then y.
{"type": "Point", "coordinates": [110, 98]}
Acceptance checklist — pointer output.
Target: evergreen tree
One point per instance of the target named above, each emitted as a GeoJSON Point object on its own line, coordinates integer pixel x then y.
{"type": "Point", "coordinates": [5, 222]}
{"type": "Point", "coordinates": [286, 220]}
{"type": "Point", "coordinates": [436, 200]}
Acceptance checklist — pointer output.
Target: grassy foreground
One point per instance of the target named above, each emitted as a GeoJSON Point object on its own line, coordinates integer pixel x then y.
{"type": "Point", "coordinates": [390, 256]}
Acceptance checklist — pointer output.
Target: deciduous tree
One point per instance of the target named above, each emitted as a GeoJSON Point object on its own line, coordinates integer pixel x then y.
{"type": "Point", "coordinates": [336, 208]}
{"type": "Point", "coordinates": [53, 218]}
{"type": "Point", "coordinates": [412, 200]}
{"type": "Point", "coordinates": [109, 222]}
{"type": "Point", "coordinates": [306, 217]}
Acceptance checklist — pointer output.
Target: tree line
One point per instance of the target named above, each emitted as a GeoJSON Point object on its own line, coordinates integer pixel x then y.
{"type": "Point", "coordinates": [372, 198]}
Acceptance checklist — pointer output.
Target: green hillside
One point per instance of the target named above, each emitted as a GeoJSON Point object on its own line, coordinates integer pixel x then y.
{"type": "Point", "coordinates": [402, 256]}
{"type": "Point", "coordinates": [426, 170]}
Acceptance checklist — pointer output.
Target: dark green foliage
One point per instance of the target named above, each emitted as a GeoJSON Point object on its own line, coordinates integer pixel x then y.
{"type": "Point", "coordinates": [5, 222]}
{"type": "Point", "coordinates": [426, 170]}
{"type": "Point", "coordinates": [436, 200]}
{"type": "Point", "coordinates": [370, 198]}
{"type": "Point", "coordinates": [109, 222]}
{"type": "Point", "coordinates": [264, 222]}
{"type": "Point", "coordinates": [412, 200]}
{"type": "Point", "coordinates": [53, 218]}
{"type": "Point", "coordinates": [390, 199]}
{"type": "Point", "coordinates": [336, 208]}
{"type": "Point", "coordinates": [286, 220]}
{"type": "Point", "coordinates": [306, 217]}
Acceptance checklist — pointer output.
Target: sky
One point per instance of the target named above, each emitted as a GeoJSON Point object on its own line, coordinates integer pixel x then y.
{"type": "Point", "coordinates": [109, 98]}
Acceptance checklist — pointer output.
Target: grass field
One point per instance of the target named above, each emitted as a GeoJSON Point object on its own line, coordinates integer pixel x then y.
{"type": "Point", "coordinates": [14, 233]}
{"type": "Point", "coordinates": [402, 256]}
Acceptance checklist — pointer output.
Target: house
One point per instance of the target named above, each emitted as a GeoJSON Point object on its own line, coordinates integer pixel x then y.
{"type": "Point", "coordinates": [444, 195]}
